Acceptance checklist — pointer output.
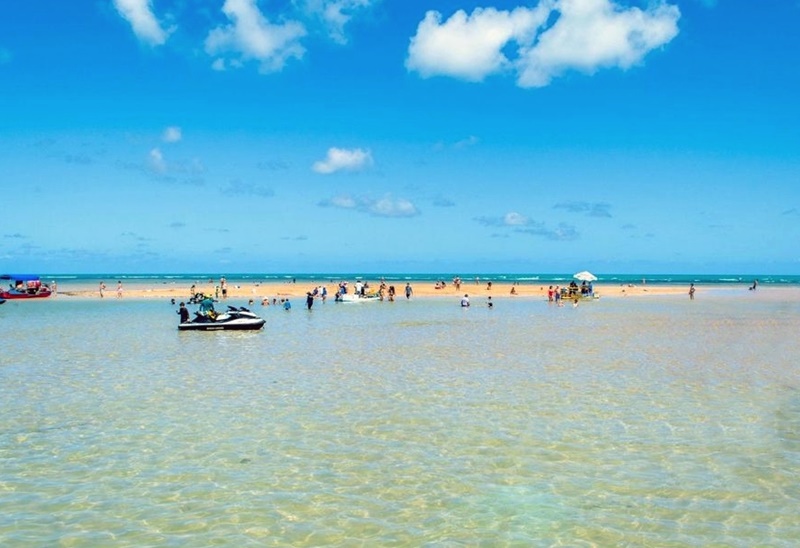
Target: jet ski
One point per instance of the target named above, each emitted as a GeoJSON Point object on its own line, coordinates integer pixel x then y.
{"type": "Point", "coordinates": [234, 318]}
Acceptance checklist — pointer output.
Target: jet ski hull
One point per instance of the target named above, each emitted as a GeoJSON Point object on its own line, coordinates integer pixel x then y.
{"type": "Point", "coordinates": [234, 325]}
{"type": "Point", "coordinates": [233, 320]}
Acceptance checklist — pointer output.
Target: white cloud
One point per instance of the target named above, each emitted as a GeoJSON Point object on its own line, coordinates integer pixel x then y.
{"type": "Point", "coordinates": [383, 207]}
{"type": "Point", "coordinates": [340, 159]}
{"type": "Point", "coordinates": [511, 218]}
{"type": "Point", "coordinates": [515, 219]}
{"type": "Point", "coordinates": [251, 36]}
{"type": "Point", "coordinates": [335, 14]}
{"type": "Point", "coordinates": [390, 207]}
{"type": "Point", "coordinates": [139, 14]}
{"type": "Point", "coordinates": [172, 134]}
{"type": "Point", "coordinates": [585, 35]}
{"type": "Point", "coordinates": [156, 161]}
{"type": "Point", "coordinates": [470, 46]}
{"type": "Point", "coordinates": [591, 34]}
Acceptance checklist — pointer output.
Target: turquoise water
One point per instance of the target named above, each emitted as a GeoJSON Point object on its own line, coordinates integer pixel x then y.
{"type": "Point", "coordinates": [643, 422]}
{"type": "Point", "coordinates": [65, 280]}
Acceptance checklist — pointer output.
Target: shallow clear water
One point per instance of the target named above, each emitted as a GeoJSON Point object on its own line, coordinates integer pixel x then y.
{"type": "Point", "coordinates": [653, 421]}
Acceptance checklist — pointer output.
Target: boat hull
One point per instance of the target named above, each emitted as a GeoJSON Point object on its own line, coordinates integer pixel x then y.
{"type": "Point", "coordinates": [9, 295]}
{"type": "Point", "coordinates": [356, 299]}
{"type": "Point", "coordinates": [233, 325]}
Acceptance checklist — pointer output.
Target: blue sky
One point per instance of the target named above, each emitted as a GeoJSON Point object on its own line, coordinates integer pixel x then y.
{"type": "Point", "coordinates": [400, 136]}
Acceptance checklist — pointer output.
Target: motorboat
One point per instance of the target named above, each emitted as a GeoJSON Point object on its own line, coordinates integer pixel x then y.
{"type": "Point", "coordinates": [355, 298]}
{"type": "Point", "coordinates": [24, 286]}
{"type": "Point", "coordinates": [234, 319]}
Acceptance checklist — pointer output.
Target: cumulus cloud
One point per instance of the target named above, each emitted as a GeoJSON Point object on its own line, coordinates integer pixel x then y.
{"type": "Point", "coordinates": [511, 218]}
{"type": "Point", "coordinates": [146, 27]}
{"type": "Point", "coordinates": [335, 14]}
{"type": "Point", "coordinates": [470, 46]}
{"type": "Point", "coordinates": [555, 37]}
{"type": "Point", "coordinates": [172, 134]}
{"type": "Point", "coordinates": [585, 208]}
{"type": "Point", "coordinates": [340, 159]}
{"type": "Point", "coordinates": [382, 207]}
{"type": "Point", "coordinates": [156, 162]}
{"type": "Point", "coordinates": [523, 224]}
{"type": "Point", "coordinates": [251, 36]}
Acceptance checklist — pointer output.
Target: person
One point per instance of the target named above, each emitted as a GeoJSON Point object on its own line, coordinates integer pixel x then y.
{"type": "Point", "coordinates": [513, 290]}
{"type": "Point", "coordinates": [223, 284]}
{"type": "Point", "coordinates": [691, 291]}
{"type": "Point", "coordinates": [102, 289]}
{"type": "Point", "coordinates": [309, 300]}
{"type": "Point", "coordinates": [184, 313]}
{"type": "Point", "coordinates": [409, 291]}
{"type": "Point", "coordinates": [489, 302]}
{"type": "Point", "coordinates": [550, 294]}
{"type": "Point", "coordinates": [465, 301]}
{"type": "Point", "coordinates": [752, 288]}
{"type": "Point", "coordinates": [287, 305]}
{"type": "Point", "coordinates": [207, 308]}
{"type": "Point", "coordinates": [119, 290]}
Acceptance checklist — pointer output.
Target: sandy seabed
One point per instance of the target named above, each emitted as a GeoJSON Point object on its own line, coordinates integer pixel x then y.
{"type": "Point", "coordinates": [268, 290]}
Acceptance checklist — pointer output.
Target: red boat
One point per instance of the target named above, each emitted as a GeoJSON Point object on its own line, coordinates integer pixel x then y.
{"type": "Point", "coordinates": [24, 286]}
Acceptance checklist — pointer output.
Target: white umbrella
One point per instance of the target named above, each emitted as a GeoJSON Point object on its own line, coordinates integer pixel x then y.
{"type": "Point", "coordinates": [585, 276]}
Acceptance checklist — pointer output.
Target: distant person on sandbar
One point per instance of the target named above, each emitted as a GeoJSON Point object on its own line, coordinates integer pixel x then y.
{"type": "Point", "coordinates": [409, 291]}
{"type": "Point", "coordinates": [119, 290]}
{"type": "Point", "coordinates": [754, 286]}
{"type": "Point", "coordinates": [691, 291]}
{"type": "Point", "coordinates": [102, 288]}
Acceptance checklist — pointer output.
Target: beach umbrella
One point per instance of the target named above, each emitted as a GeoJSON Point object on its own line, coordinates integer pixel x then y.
{"type": "Point", "coordinates": [585, 276]}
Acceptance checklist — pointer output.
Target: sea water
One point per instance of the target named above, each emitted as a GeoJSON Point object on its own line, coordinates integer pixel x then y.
{"type": "Point", "coordinates": [652, 421]}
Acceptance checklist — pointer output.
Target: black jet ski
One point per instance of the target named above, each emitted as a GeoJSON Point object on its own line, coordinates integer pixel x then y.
{"type": "Point", "coordinates": [240, 319]}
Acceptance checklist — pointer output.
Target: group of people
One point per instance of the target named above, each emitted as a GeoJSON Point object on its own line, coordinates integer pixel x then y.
{"type": "Point", "coordinates": [102, 289]}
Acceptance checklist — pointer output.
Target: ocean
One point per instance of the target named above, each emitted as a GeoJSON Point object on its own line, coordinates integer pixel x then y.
{"type": "Point", "coordinates": [521, 278]}
{"type": "Point", "coordinates": [654, 421]}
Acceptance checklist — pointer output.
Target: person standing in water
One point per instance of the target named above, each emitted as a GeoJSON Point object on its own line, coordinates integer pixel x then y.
{"type": "Point", "coordinates": [184, 313]}
{"type": "Point", "coordinates": [691, 292]}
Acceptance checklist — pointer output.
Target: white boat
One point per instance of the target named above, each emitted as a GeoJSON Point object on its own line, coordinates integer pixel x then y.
{"type": "Point", "coordinates": [350, 298]}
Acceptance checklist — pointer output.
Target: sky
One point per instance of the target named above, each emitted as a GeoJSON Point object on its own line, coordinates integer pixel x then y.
{"type": "Point", "coordinates": [391, 136]}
